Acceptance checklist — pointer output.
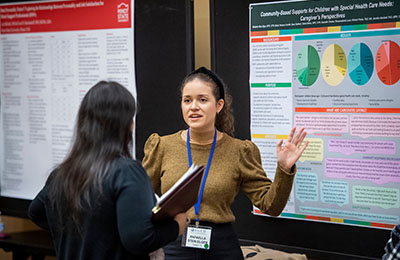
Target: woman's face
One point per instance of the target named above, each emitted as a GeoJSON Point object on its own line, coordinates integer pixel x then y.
{"type": "Point", "coordinates": [199, 106]}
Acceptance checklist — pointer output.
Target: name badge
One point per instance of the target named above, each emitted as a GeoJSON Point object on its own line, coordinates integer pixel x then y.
{"type": "Point", "coordinates": [197, 237]}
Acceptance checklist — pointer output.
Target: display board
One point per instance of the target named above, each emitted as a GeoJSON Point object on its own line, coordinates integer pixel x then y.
{"type": "Point", "coordinates": [101, 53]}
{"type": "Point", "coordinates": [51, 55]}
{"type": "Point", "coordinates": [332, 67]}
{"type": "Point", "coordinates": [319, 235]}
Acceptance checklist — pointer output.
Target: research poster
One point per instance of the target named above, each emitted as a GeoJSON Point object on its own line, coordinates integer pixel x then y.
{"type": "Point", "coordinates": [332, 67]}
{"type": "Point", "coordinates": [51, 53]}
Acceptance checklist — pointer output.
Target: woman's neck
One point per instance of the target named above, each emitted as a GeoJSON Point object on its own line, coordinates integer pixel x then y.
{"type": "Point", "coordinates": [200, 137]}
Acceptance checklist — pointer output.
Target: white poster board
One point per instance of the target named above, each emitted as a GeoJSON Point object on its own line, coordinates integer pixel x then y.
{"type": "Point", "coordinates": [51, 53]}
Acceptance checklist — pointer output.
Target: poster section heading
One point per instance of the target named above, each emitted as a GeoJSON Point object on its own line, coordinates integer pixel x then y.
{"type": "Point", "coordinates": [65, 16]}
{"type": "Point", "coordinates": [306, 14]}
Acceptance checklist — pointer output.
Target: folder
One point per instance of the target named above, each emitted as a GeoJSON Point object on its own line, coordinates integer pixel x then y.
{"type": "Point", "coordinates": [181, 196]}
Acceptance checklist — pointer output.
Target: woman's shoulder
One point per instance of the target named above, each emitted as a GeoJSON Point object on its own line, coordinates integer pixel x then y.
{"type": "Point", "coordinates": [156, 140]}
{"type": "Point", "coordinates": [126, 168]}
{"type": "Point", "coordinates": [155, 137]}
{"type": "Point", "coordinates": [125, 161]}
{"type": "Point", "coordinates": [125, 175]}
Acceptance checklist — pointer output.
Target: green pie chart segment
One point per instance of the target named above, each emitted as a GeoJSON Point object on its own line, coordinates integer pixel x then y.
{"type": "Point", "coordinates": [360, 64]}
{"type": "Point", "coordinates": [307, 65]}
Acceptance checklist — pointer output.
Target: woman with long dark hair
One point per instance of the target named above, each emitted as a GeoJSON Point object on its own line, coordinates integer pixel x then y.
{"type": "Point", "coordinates": [232, 164]}
{"type": "Point", "coordinates": [97, 203]}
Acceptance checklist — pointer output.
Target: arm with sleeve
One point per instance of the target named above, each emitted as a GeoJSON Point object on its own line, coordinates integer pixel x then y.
{"type": "Point", "coordinates": [270, 197]}
{"type": "Point", "coordinates": [236, 161]}
{"type": "Point", "coordinates": [37, 210]}
{"type": "Point", "coordinates": [134, 202]}
{"type": "Point", "coordinates": [128, 201]}
{"type": "Point", "coordinates": [153, 167]}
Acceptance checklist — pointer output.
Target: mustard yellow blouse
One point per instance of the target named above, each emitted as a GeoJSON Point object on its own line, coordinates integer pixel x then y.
{"type": "Point", "coordinates": [236, 164]}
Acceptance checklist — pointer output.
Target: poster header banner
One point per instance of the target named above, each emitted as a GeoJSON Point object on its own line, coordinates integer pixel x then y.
{"type": "Point", "coordinates": [65, 16]}
{"type": "Point", "coordinates": [305, 14]}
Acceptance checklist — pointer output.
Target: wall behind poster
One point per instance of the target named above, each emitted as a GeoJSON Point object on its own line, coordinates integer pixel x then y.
{"type": "Point", "coordinates": [320, 237]}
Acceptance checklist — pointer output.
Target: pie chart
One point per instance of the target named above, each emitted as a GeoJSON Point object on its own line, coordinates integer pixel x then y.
{"type": "Point", "coordinates": [387, 62]}
{"type": "Point", "coordinates": [334, 65]}
{"type": "Point", "coordinates": [307, 65]}
{"type": "Point", "coordinates": [361, 64]}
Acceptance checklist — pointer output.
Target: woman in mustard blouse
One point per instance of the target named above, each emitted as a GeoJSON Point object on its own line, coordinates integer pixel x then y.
{"type": "Point", "coordinates": [232, 164]}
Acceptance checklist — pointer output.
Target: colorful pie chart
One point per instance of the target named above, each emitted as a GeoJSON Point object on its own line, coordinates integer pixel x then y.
{"type": "Point", "coordinates": [387, 62]}
{"type": "Point", "coordinates": [307, 65]}
{"type": "Point", "coordinates": [360, 64]}
{"type": "Point", "coordinates": [334, 65]}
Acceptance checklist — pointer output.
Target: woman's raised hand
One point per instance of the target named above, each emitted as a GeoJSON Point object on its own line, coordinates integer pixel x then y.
{"type": "Point", "coordinates": [291, 151]}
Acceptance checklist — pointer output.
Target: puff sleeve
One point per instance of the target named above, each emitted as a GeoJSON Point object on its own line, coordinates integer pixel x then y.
{"type": "Point", "coordinates": [270, 197]}
{"type": "Point", "coordinates": [152, 160]}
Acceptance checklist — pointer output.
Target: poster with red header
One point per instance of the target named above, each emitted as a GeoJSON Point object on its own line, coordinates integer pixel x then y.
{"type": "Point", "coordinates": [51, 53]}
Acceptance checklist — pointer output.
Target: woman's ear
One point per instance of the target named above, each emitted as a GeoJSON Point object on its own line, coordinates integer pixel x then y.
{"type": "Point", "coordinates": [220, 105]}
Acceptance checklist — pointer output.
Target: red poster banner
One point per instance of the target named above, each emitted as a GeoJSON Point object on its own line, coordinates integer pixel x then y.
{"type": "Point", "coordinates": [65, 16]}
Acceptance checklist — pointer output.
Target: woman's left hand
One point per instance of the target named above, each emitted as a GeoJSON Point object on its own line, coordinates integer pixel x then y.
{"type": "Point", "coordinates": [291, 151]}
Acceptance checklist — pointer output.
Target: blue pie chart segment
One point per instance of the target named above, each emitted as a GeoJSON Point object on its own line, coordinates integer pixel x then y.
{"type": "Point", "coordinates": [360, 64]}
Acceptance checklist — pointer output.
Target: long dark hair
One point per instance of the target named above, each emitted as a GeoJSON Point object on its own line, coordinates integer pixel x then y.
{"type": "Point", "coordinates": [224, 121]}
{"type": "Point", "coordinates": [102, 134]}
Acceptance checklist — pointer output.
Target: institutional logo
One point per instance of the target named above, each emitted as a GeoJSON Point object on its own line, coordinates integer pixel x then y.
{"type": "Point", "coordinates": [123, 13]}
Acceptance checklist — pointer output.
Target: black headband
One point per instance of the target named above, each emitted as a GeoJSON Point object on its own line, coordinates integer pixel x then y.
{"type": "Point", "coordinates": [214, 77]}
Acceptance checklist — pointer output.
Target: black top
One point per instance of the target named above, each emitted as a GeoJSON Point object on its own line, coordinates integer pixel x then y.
{"type": "Point", "coordinates": [118, 227]}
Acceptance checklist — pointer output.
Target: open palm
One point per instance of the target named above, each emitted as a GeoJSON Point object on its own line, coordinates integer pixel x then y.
{"type": "Point", "coordinates": [290, 152]}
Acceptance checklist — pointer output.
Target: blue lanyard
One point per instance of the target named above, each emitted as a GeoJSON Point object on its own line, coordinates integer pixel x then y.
{"type": "Point", "coordinates": [197, 205]}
